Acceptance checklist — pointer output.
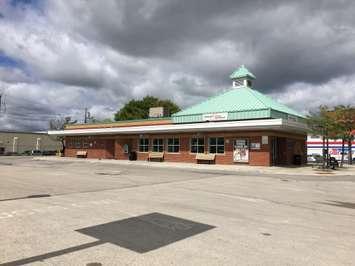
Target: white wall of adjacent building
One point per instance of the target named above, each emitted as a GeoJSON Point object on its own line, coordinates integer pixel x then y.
{"type": "Point", "coordinates": [315, 146]}
{"type": "Point", "coordinates": [19, 142]}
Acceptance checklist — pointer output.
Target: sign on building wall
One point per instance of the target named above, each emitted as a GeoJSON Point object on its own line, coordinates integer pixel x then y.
{"type": "Point", "coordinates": [241, 151]}
{"type": "Point", "coordinates": [255, 145]}
{"type": "Point", "coordinates": [291, 118]}
{"type": "Point", "coordinates": [215, 117]}
{"type": "Point", "coordinates": [264, 140]}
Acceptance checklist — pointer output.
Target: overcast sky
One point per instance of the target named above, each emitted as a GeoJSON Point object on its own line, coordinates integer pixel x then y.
{"type": "Point", "coordinates": [58, 57]}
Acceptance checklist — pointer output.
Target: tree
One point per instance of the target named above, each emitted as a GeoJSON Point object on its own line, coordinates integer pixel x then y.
{"type": "Point", "coordinates": [139, 109]}
{"type": "Point", "coordinates": [345, 119]}
{"type": "Point", "coordinates": [321, 123]}
{"type": "Point", "coordinates": [336, 123]}
{"type": "Point", "coordinates": [59, 124]}
{"type": "Point", "coordinates": [339, 131]}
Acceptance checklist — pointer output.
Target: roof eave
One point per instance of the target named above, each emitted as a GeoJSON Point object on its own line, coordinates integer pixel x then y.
{"type": "Point", "coordinates": [265, 124]}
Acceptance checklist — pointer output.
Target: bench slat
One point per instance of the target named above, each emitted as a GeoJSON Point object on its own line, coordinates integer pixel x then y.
{"type": "Point", "coordinates": [205, 157]}
{"type": "Point", "coordinates": [81, 153]}
{"type": "Point", "coordinates": [156, 155]}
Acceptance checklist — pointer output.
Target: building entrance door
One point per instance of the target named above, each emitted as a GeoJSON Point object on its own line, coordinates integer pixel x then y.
{"type": "Point", "coordinates": [274, 151]}
{"type": "Point", "coordinates": [278, 151]}
{"type": "Point", "coordinates": [241, 151]}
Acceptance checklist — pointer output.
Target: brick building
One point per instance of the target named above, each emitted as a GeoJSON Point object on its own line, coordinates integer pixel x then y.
{"type": "Point", "coordinates": [239, 125]}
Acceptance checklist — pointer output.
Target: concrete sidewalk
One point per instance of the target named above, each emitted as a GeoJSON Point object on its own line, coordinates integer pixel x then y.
{"type": "Point", "coordinates": [347, 170]}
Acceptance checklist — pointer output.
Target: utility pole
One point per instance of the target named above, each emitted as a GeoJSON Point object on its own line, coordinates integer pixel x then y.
{"type": "Point", "coordinates": [2, 104]}
{"type": "Point", "coordinates": [2, 100]}
{"type": "Point", "coordinates": [86, 115]}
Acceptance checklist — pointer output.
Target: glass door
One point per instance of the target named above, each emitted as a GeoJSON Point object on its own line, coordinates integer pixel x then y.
{"type": "Point", "coordinates": [241, 151]}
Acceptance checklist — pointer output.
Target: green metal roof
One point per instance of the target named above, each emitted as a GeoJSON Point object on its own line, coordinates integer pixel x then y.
{"type": "Point", "coordinates": [240, 99]}
{"type": "Point", "coordinates": [242, 72]}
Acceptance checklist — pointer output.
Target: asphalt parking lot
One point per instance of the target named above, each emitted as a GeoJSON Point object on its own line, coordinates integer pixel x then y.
{"type": "Point", "coordinates": [93, 213]}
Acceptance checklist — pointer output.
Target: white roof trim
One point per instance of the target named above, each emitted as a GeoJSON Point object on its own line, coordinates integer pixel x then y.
{"type": "Point", "coordinates": [269, 124]}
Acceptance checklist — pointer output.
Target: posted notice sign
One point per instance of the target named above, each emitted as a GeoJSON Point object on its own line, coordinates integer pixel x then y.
{"type": "Point", "coordinates": [215, 117]}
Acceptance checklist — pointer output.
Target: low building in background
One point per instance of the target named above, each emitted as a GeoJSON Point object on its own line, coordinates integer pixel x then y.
{"type": "Point", "coordinates": [16, 142]}
{"type": "Point", "coordinates": [315, 147]}
{"type": "Point", "coordinates": [238, 125]}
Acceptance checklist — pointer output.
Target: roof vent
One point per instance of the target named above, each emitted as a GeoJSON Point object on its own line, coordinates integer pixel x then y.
{"type": "Point", "coordinates": [242, 77]}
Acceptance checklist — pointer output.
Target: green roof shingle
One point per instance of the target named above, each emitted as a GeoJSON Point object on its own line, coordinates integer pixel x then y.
{"type": "Point", "coordinates": [237, 100]}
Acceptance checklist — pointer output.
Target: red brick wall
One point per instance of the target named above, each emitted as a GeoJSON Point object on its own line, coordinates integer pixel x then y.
{"type": "Point", "coordinates": [91, 153]}
{"type": "Point", "coordinates": [257, 157]}
{"type": "Point", "coordinates": [113, 147]}
{"type": "Point", "coordinates": [119, 148]}
{"type": "Point", "coordinates": [98, 147]}
{"type": "Point", "coordinates": [261, 157]}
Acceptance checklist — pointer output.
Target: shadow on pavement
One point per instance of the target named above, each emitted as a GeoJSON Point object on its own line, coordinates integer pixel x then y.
{"type": "Point", "coordinates": [139, 234]}
{"type": "Point", "coordinates": [28, 197]}
{"type": "Point", "coordinates": [343, 204]}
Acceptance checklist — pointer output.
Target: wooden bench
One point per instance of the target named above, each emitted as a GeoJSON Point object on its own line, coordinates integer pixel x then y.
{"type": "Point", "coordinates": [81, 154]}
{"type": "Point", "coordinates": [156, 155]}
{"type": "Point", "coordinates": [202, 157]}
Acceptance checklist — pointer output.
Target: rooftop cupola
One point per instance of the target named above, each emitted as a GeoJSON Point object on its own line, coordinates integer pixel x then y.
{"type": "Point", "coordinates": [242, 77]}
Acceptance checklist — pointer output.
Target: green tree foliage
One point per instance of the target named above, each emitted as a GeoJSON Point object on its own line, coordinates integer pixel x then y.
{"type": "Point", "coordinates": [336, 123]}
{"type": "Point", "coordinates": [322, 124]}
{"type": "Point", "coordinates": [139, 109]}
{"type": "Point", "coordinates": [344, 117]}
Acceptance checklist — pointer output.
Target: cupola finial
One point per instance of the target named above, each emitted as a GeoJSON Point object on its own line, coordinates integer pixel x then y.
{"type": "Point", "coordinates": [242, 77]}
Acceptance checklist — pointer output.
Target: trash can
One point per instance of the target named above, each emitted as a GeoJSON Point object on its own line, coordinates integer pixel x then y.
{"type": "Point", "coordinates": [297, 159]}
{"type": "Point", "coordinates": [132, 156]}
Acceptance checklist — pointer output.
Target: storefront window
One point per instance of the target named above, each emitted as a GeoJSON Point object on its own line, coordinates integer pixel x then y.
{"type": "Point", "coordinates": [143, 145]}
{"type": "Point", "coordinates": [197, 145]}
{"type": "Point", "coordinates": [158, 145]}
{"type": "Point", "coordinates": [173, 145]}
{"type": "Point", "coordinates": [69, 143]}
{"type": "Point", "coordinates": [216, 145]}
{"type": "Point", "coordinates": [86, 144]}
{"type": "Point", "coordinates": [77, 143]}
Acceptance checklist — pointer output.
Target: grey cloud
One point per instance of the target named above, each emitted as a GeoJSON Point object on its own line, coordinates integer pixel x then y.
{"type": "Point", "coordinates": [281, 41]}
{"type": "Point", "coordinates": [106, 54]}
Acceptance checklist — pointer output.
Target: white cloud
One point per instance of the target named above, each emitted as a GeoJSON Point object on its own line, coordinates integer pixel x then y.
{"type": "Point", "coordinates": [308, 97]}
